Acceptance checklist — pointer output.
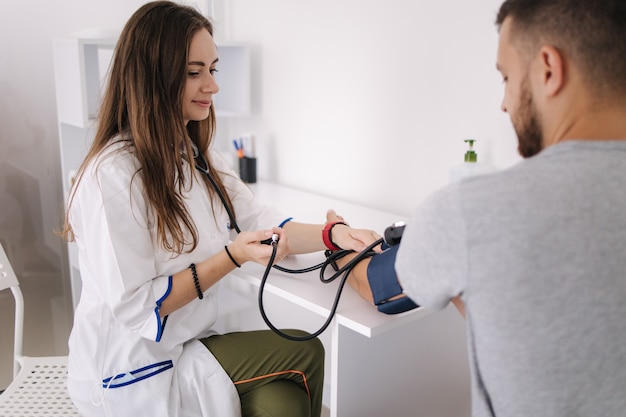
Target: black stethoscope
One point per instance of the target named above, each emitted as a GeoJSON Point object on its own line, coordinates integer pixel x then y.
{"type": "Point", "coordinates": [331, 258]}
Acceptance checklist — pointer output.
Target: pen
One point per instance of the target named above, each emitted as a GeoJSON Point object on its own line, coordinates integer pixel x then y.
{"type": "Point", "coordinates": [238, 148]}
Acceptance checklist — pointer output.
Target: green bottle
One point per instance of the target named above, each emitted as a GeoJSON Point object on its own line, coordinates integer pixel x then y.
{"type": "Point", "coordinates": [470, 155]}
{"type": "Point", "coordinates": [470, 167]}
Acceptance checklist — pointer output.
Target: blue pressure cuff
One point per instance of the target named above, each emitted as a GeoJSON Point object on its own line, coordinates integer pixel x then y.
{"type": "Point", "coordinates": [384, 284]}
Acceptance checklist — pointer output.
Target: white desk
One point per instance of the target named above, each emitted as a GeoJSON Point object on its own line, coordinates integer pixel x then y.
{"type": "Point", "coordinates": [401, 365]}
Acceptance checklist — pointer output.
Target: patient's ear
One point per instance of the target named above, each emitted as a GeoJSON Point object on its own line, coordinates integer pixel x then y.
{"type": "Point", "coordinates": [551, 70]}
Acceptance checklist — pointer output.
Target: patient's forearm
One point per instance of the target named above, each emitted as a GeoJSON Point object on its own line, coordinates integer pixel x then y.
{"type": "Point", "coordinates": [357, 278]}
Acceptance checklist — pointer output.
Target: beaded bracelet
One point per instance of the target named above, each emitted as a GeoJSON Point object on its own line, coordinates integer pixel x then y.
{"type": "Point", "coordinates": [231, 257]}
{"type": "Point", "coordinates": [196, 283]}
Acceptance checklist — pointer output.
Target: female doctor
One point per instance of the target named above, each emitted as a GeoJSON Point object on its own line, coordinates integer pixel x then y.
{"type": "Point", "coordinates": [155, 240]}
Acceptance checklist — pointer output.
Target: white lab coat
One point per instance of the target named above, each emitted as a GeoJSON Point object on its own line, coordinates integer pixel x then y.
{"type": "Point", "coordinates": [124, 360]}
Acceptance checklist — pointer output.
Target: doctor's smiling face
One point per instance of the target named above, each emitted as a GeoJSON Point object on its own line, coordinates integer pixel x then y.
{"type": "Point", "coordinates": [200, 85]}
{"type": "Point", "coordinates": [518, 99]}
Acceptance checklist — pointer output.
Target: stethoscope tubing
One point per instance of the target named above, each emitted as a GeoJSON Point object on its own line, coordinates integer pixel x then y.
{"type": "Point", "coordinates": [330, 260]}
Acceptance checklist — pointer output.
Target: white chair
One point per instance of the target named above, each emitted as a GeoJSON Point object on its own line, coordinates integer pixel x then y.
{"type": "Point", "coordinates": [39, 383]}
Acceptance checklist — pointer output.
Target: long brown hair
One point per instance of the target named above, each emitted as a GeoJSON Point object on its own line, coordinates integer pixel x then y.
{"type": "Point", "coordinates": [142, 106]}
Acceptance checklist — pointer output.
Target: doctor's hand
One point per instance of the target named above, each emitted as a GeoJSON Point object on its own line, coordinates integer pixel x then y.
{"type": "Point", "coordinates": [346, 237]}
{"type": "Point", "coordinates": [248, 247]}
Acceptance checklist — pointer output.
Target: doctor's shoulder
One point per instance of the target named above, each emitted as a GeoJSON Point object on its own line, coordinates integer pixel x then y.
{"type": "Point", "coordinates": [115, 164]}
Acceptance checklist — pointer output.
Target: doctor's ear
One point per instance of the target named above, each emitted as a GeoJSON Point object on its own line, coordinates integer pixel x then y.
{"type": "Point", "coordinates": [551, 68]}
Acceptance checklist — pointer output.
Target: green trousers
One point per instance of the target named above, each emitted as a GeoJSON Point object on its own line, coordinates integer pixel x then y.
{"type": "Point", "coordinates": [275, 377]}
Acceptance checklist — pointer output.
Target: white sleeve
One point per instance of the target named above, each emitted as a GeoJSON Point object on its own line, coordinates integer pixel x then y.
{"type": "Point", "coordinates": [432, 260]}
{"type": "Point", "coordinates": [117, 246]}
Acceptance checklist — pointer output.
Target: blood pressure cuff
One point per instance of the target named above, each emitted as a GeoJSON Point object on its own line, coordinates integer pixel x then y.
{"type": "Point", "coordinates": [384, 284]}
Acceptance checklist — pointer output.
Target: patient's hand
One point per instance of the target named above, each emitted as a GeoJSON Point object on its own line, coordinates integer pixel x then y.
{"type": "Point", "coordinates": [347, 237]}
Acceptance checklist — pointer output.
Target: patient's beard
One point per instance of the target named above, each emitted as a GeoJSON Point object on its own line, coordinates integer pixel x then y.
{"type": "Point", "coordinates": [527, 125]}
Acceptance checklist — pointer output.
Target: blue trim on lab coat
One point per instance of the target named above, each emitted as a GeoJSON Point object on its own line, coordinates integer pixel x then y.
{"type": "Point", "coordinates": [161, 326]}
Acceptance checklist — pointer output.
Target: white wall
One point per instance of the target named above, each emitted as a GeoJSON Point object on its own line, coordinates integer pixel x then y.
{"type": "Point", "coordinates": [367, 100]}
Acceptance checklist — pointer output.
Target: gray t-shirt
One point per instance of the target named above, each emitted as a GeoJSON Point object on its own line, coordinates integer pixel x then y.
{"type": "Point", "coordinates": [538, 253]}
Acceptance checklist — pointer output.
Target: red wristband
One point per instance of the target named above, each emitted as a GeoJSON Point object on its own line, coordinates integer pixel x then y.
{"type": "Point", "coordinates": [327, 236]}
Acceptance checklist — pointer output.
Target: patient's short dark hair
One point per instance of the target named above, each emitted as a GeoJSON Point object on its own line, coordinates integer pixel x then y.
{"type": "Point", "coordinates": [592, 34]}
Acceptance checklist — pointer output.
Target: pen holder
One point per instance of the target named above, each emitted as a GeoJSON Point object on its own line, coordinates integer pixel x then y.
{"type": "Point", "coordinates": [247, 169]}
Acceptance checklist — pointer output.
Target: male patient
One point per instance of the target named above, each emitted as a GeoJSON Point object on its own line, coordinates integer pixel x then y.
{"type": "Point", "coordinates": [537, 252]}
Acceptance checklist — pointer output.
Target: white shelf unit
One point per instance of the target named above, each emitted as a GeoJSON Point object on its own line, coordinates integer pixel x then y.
{"type": "Point", "coordinates": [81, 63]}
